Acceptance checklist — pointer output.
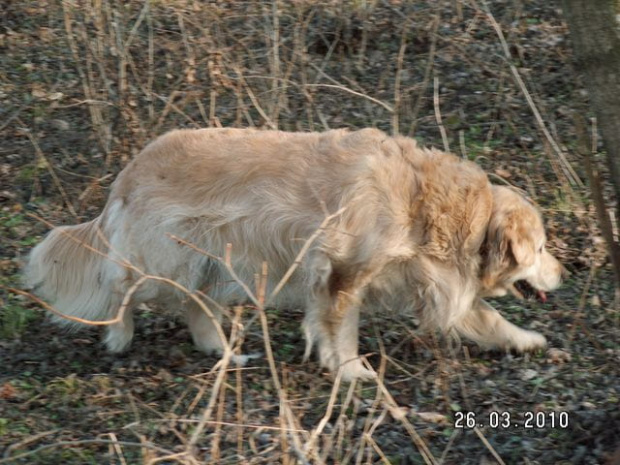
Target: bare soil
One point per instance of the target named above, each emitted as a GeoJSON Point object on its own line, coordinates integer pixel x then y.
{"type": "Point", "coordinates": [84, 87]}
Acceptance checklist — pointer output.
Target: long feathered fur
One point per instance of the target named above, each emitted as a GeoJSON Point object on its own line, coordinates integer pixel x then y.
{"type": "Point", "coordinates": [69, 270]}
{"type": "Point", "coordinates": [413, 226]}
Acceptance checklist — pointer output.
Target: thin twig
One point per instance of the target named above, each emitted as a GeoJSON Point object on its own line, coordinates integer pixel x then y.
{"type": "Point", "coordinates": [28, 440]}
{"type": "Point", "coordinates": [117, 448]}
{"type": "Point", "coordinates": [45, 162]}
{"type": "Point", "coordinates": [397, 77]}
{"type": "Point", "coordinates": [207, 412]}
{"type": "Point", "coordinates": [328, 412]}
{"type": "Point", "coordinates": [488, 445]}
{"type": "Point", "coordinates": [451, 439]}
{"type": "Point", "coordinates": [430, 63]}
{"type": "Point", "coordinates": [82, 442]}
{"type": "Point", "coordinates": [568, 170]}
{"type": "Point", "coordinates": [378, 450]}
{"type": "Point", "coordinates": [359, 94]}
{"type": "Point", "coordinates": [391, 404]}
{"type": "Point", "coordinates": [191, 421]}
{"type": "Point", "coordinates": [255, 101]}
{"type": "Point", "coordinates": [598, 198]}
{"type": "Point", "coordinates": [302, 253]}
{"type": "Point", "coordinates": [442, 129]}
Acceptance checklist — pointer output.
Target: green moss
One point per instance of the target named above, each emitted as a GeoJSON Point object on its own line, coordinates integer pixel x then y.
{"type": "Point", "coordinates": [14, 319]}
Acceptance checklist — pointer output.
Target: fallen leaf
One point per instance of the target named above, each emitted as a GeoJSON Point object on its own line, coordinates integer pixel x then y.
{"type": "Point", "coordinates": [38, 93]}
{"type": "Point", "coordinates": [398, 413]}
{"type": "Point", "coordinates": [503, 173]}
{"type": "Point", "coordinates": [7, 391]}
{"type": "Point", "coordinates": [55, 96]}
{"type": "Point", "coordinates": [528, 374]}
{"type": "Point", "coordinates": [433, 417]}
{"type": "Point", "coordinates": [60, 124]}
{"type": "Point", "coordinates": [558, 356]}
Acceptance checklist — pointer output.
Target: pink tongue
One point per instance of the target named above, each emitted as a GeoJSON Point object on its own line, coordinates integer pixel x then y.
{"type": "Point", "coordinates": [541, 296]}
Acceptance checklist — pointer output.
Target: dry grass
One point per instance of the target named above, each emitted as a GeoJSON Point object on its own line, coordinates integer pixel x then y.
{"type": "Point", "coordinates": [83, 87]}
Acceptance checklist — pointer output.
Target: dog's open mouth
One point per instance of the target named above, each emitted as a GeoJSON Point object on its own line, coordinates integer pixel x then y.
{"type": "Point", "coordinates": [526, 291]}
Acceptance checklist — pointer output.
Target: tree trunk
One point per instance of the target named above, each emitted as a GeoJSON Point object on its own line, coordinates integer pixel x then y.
{"type": "Point", "coordinates": [595, 34]}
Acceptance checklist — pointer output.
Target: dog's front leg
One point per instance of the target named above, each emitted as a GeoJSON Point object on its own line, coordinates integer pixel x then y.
{"type": "Point", "coordinates": [332, 320]}
{"type": "Point", "coordinates": [342, 323]}
{"type": "Point", "coordinates": [485, 326]}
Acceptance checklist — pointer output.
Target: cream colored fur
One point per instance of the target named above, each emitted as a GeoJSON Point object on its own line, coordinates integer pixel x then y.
{"type": "Point", "coordinates": [420, 228]}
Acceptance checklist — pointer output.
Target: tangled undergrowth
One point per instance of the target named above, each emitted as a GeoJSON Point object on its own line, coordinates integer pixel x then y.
{"type": "Point", "coordinates": [83, 87]}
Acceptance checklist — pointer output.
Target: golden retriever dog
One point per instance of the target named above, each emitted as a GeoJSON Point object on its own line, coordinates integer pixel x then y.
{"type": "Point", "coordinates": [417, 227]}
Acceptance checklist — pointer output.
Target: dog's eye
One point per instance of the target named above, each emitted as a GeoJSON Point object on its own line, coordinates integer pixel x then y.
{"type": "Point", "coordinates": [541, 249]}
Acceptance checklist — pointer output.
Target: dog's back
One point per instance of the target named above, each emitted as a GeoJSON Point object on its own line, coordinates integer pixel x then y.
{"type": "Point", "coordinates": [192, 195]}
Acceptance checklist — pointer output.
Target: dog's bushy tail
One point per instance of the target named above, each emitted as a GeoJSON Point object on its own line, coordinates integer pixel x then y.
{"type": "Point", "coordinates": [69, 270]}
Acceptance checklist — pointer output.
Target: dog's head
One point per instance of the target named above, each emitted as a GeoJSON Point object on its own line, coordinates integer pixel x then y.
{"type": "Point", "coordinates": [515, 252]}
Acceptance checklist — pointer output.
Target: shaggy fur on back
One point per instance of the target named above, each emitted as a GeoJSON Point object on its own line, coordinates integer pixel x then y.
{"type": "Point", "coordinates": [418, 226]}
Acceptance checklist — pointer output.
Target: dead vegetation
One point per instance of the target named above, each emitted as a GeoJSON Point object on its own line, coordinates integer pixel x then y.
{"type": "Point", "coordinates": [84, 85]}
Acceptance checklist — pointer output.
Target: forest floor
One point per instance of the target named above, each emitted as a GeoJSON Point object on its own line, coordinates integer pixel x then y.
{"type": "Point", "coordinates": [83, 88]}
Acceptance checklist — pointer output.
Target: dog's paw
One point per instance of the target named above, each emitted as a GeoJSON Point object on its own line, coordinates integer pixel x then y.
{"type": "Point", "coordinates": [328, 358]}
{"type": "Point", "coordinates": [242, 360]}
{"type": "Point", "coordinates": [355, 369]}
{"type": "Point", "coordinates": [529, 341]}
{"type": "Point", "coordinates": [117, 340]}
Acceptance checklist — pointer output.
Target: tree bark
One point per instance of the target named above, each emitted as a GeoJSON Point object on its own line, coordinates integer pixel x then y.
{"type": "Point", "coordinates": [595, 34]}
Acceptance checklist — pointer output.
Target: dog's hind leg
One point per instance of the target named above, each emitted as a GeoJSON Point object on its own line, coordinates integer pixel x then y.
{"type": "Point", "coordinates": [207, 332]}
{"type": "Point", "coordinates": [119, 335]}
{"type": "Point", "coordinates": [204, 327]}
{"type": "Point", "coordinates": [485, 326]}
{"type": "Point", "coordinates": [124, 298]}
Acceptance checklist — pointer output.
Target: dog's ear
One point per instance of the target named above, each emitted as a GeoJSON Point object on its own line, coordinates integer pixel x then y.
{"type": "Point", "coordinates": [520, 245]}
{"type": "Point", "coordinates": [507, 245]}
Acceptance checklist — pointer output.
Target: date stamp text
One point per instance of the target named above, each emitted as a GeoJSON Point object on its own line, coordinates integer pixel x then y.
{"type": "Point", "coordinates": [508, 420]}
